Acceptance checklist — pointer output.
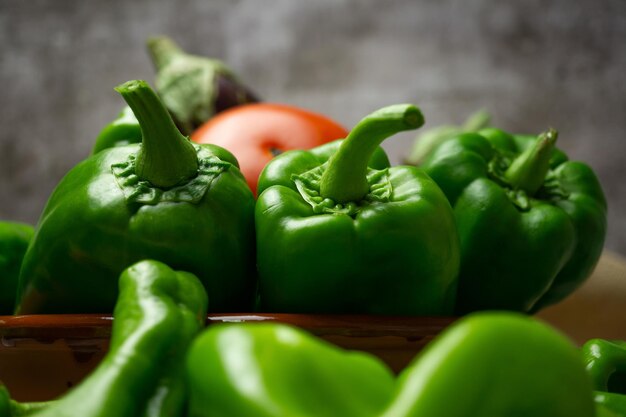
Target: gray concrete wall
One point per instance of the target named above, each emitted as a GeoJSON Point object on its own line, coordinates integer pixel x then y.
{"type": "Point", "coordinates": [532, 64]}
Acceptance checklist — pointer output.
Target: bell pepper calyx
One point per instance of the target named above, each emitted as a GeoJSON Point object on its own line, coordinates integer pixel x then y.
{"type": "Point", "coordinates": [345, 178]}
{"type": "Point", "coordinates": [528, 171]}
{"type": "Point", "coordinates": [532, 165]}
{"type": "Point", "coordinates": [140, 191]}
{"type": "Point", "coordinates": [308, 184]}
{"type": "Point", "coordinates": [166, 158]}
{"type": "Point", "coordinates": [552, 188]}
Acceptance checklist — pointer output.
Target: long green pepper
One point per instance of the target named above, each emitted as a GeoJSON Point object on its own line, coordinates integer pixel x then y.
{"type": "Point", "coordinates": [606, 364]}
{"type": "Point", "coordinates": [158, 313]}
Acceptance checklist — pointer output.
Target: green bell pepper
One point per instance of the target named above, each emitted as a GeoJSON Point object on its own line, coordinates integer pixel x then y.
{"type": "Point", "coordinates": [166, 199]}
{"type": "Point", "coordinates": [12, 408]}
{"type": "Point", "coordinates": [336, 236]}
{"type": "Point", "coordinates": [122, 131]}
{"type": "Point", "coordinates": [14, 239]}
{"type": "Point", "coordinates": [158, 313]}
{"type": "Point", "coordinates": [610, 404]}
{"type": "Point", "coordinates": [270, 370]}
{"type": "Point", "coordinates": [495, 365]}
{"type": "Point", "coordinates": [606, 364]}
{"type": "Point", "coordinates": [531, 223]}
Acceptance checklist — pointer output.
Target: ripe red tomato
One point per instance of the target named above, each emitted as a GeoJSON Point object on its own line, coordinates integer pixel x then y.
{"type": "Point", "coordinates": [255, 133]}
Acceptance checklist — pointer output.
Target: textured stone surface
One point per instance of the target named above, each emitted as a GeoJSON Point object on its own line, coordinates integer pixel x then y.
{"type": "Point", "coordinates": [532, 64]}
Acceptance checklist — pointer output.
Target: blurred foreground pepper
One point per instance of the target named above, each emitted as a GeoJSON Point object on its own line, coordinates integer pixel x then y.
{"type": "Point", "coordinates": [336, 236]}
{"type": "Point", "coordinates": [496, 364]}
{"type": "Point", "coordinates": [531, 223]}
{"type": "Point", "coordinates": [165, 199]}
{"type": "Point", "coordinates": [157, 315]}
{"type": "Point", "coordinates": [606, 364]}
{"type": "Point", "coordinates": [270, 370]}
{"type": "Point", "coordinates": [14, 239]}
{"type": "Point", "coordinates": [193, 89]}
{"type": "Point", "coordinates": [256, 133]}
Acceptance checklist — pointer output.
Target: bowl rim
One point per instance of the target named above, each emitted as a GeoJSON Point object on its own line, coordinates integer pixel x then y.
{"type": "Point", "coordinates": [99, 325]}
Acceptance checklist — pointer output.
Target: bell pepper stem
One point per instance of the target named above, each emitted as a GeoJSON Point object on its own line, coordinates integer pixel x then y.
{"type": "Point", "coordinates": [345, 178]}
{"type": "Point", "coordinates": [162, 50]}
{"type": "Point", "coordinates": [166, 157]}
{"type": "Point", "coordinates": [528, 171]}
{"type": "Point", "coordinates": [476, 121]}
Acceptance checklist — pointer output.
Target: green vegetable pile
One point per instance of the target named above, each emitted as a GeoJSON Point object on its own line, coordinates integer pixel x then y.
{"type": "Point", "coordinates": [488, 221]}
{"type": "Point", "coordinates": [161, 363]}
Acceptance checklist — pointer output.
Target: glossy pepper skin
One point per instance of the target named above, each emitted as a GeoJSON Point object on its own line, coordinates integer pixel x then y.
{"type": "Point", "coordinates": [256, 133]}
{"type": "Point", "coordinates": [166, 199]}
{"type": "Point", "coordinates": [495, 364]}
{"type": "Point", "coordinates": [158, 313]}
{"type": "Point", "coordinates": [12, 408]}
{"type": "Point", "coordinates": [14, 239]}
{"type": "Point", "coordinates": [606, 364]}
{"type": "Point", "coordinates": [122, 131]}
{"type": "Point", "coordinates": [517, 366]}
{"type": "Point", "coordinates": [531, 223]}
{"type": "Point", "coordinates": [270, 370]}
{"type": "Point", "coordinates": [336, 236]}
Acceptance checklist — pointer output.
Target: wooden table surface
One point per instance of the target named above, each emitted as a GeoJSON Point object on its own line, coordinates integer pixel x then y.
{"type": "Point", "coordinates": [598, 308]}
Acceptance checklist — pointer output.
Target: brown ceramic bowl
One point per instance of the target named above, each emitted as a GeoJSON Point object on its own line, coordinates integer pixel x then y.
{"type": "Point", "coordinates": [41, 356]}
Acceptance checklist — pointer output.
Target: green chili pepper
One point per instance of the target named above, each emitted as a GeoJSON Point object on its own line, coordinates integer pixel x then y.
{"type": "Point", "coordinates": [12, 408]}
{"type": "Point", "coordinates": [606, 364]}
{"type": "Point", "coordinates": [610, 404]}
{"type": "Point", "coordinates": [496, 364]}
{"type": "Point", "coordinates": [531, 223]}
{"type": "Point", "coordinates": [336, 236]}
{"type": "Point", "coordinates": [166, 199]}
{"type": "Point", "coordinates": [158, 313]}
{"type": "Point", "coordinates": [270, 370]}
{"type": "Point", "coordinates": [14, 239]}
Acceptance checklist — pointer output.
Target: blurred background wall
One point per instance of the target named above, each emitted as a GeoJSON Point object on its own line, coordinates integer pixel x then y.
{"type": "Point", "coordinates": [532, 64]}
